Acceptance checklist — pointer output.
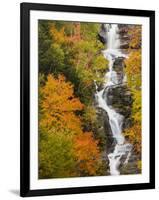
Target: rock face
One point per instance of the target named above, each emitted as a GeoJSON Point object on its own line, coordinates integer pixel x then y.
{"type": "Point", "coordinates": [123, 32]}
{"type": "Point", "coordinates": [120, 98]}
{"type": "Point", "coordinates": [119, 68]}
{"type": "Point", "coordinates": [104, 127]}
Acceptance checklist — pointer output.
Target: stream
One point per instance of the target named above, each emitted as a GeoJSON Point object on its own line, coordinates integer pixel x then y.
{"type": "Point", "coordinates": [111, 79]}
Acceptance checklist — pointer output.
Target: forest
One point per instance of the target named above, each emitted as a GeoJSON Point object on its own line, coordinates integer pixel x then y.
{"type": "Point", "coordinates": [71, 143]}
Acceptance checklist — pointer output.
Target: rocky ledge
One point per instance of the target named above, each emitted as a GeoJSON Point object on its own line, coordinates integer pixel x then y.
{"type": "Point", "coordinates": [119, 97]}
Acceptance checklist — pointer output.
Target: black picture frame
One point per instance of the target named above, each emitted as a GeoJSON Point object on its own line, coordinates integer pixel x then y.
{"type": "Point", "coordinates": [25, 9]}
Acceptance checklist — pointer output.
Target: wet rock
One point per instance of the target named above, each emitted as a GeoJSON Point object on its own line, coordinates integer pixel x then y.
{"type": "Point", "coordinates": [118, 66]}
{"type": "Point", "coordinates": [102, 34]}
{"type": "Point", "coordinates": [124, 37]}
{"type": "Point", "coordinates": [124, 25]}
{"type": "Point", "coordinates": [123, 30]}
{"type": "Point", "coordinates": [120, 98]}
{"type": "Point", "coordinates": [124, 45]}
{"type": "Point", "coordinates": [104, 129]}
{"type": "Point", "coordinates": [127, 122]}
{"type": "Point", "coordinates": [131, 167]}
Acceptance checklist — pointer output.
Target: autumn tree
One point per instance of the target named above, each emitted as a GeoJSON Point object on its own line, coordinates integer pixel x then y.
{"type": "Point", "coordinates": [56, 156]}
{"type": "Point", "coordinates": [64, 149]}
{"type": "Point", "coordinates": [133, 71]}
{"type": "Point", "coordinates": [134, 33]}
{"type": "Point", "coordinates": [87, 154]}
{"type": "Point", "coordinates": [89, 65]}
{"type": "Point", "coordinates": [59, 105]}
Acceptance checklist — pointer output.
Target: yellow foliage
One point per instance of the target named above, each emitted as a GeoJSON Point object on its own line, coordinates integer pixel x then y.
{"type": "Point", "coordinates": [58, 36]}
{"type": "Point", "coordinates": [133, 71]}
{"type": "Point", "coordinates": [139, 165]}
{"type": "Point", "coordinates": [134, 136]}
{"type": "Point", "coordinates": [133, 68]}
{"type": "Point", "coordinates": [135, 37]}
{"type": "Point", "coordinates": [136, 112]}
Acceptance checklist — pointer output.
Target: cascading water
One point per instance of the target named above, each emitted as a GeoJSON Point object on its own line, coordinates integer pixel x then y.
{"type": "Point", "coordinates": [115, 119]}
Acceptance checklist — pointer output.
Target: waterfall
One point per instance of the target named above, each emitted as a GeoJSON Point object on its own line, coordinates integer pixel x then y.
{"type": "Point", "coordinates": [115, 119]}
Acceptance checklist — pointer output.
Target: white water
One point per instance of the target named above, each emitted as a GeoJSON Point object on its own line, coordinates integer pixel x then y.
{"type": "Point", "coordinates": [115, 119]}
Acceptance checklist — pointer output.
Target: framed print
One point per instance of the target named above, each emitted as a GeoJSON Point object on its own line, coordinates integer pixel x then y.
{"type": "Point", "coordinates": [87, 99]}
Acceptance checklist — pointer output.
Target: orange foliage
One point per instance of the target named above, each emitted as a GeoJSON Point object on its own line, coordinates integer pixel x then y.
{"type": "Point", "coordinates": [58, 104]}
{"type": "Point", "coordinates": [87, 153]}
{"type": "Point", "coordinates": [60, 37]}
